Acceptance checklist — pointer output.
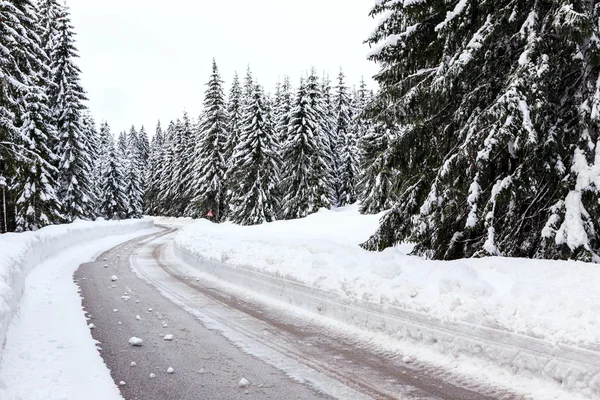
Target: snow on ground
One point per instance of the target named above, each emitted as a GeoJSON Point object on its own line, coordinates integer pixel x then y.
{"type": "Point", "coordinates": [172, 221]}
{"type": "Point", "coordinates": [558, 301]}
{"type": "Point", "coordinates": [20, 252]}
{"type": "Point", "coordinates": [48, 340]}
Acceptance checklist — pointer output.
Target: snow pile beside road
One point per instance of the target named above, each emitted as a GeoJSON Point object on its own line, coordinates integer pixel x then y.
{"type": "Point", "coordinates": [176, 222]}
{"type": "Point", "coordinates": [20, 252]}
{"type": "Point", "coordinates": [557, 301]}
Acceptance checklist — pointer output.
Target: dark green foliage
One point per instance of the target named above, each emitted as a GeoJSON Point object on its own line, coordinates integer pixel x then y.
{"type": "Point", "coordinates": [256, 164]}
{"type": "Point", "coordinates": [209, 164]}
{"type": "Point", "coordinates": [66, 101]}
{"type": "Point", "coordinates": [307, 178]}
{"type": "Point", "coordinates": [152, 189]}
{"type": "Point", "coordinates": [496, 153]}
{"type": "Point", "coordinates": [114, 203]}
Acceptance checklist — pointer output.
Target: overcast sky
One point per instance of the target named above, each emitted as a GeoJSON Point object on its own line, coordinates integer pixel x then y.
{"type": "Point", "coordinates": [144, 60]}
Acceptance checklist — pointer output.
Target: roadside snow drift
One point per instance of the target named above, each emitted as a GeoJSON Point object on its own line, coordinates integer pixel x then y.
{"type": "Point", "coordinates": [532, 317]}
{"type": "Point", "coordinates": [20, 252]}
{"type": "Point", "coordinates": [557, 301]}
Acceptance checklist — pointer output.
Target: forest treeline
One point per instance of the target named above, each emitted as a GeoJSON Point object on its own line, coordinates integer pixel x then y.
{"type": "Point", "coordinates": [481, 139]}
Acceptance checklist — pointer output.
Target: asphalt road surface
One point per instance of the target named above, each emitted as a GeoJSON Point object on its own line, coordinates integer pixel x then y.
{"type": "Point", "coordinates": [219, 338]}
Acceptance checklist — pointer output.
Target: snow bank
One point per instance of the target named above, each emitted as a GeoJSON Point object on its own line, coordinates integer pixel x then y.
{"type": "Point", "coordinates": [557, 301]}
{"type": "Point", "coordinates": [20, 252]}
{"type": "Point", "coordinates": [520, 313]}
{"type": "Point", "coordinates": [175, 222]}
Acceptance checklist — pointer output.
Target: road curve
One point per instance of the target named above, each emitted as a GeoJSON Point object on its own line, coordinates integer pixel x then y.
{"type": "Point", "coordinates": [220, 338]}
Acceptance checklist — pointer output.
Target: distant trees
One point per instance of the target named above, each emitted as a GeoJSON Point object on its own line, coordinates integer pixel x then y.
{"type": "Point", "coordinates": [256, 158]}
{"type": "Point", "coordinates": [209, 164]}
{"type": "Point", "coordinates": [482, 140]}
{"type": "Point", "coordinates": [255, 165]}
{"type": "Point", "coordinates": [114, 203]}
{"type": "Point", "coordinates": [251, 158]}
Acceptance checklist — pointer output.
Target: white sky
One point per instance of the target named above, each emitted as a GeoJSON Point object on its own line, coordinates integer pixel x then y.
{"type": "Point", "coordinates": [144, 60]}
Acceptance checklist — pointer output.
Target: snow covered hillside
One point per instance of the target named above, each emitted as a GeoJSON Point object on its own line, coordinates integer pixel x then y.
{"type": "Point", "coordinates": [558, 301]}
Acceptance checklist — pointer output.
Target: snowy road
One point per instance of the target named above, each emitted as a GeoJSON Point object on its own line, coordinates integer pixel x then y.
{"type": "Point", "coordinates": [220, 338]}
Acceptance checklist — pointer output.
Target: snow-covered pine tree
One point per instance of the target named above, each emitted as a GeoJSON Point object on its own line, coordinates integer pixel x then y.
{"type": "Point", "coordinates": [105, 141]}
{"type": "Point", "coordinates": [143, 144]}
{"type": "Point", "coordinates": [248, 88]}
{"type": "Point", "coordinates": [114, 203]}
{"type": "Point", "coordinates": [182, 174]}
{"type": "Point", "coordinates": [269, 109]}
{"type": "Point", "coordinates": [378, 177]}
{"type": "Point", "coordinates": [257, 164]}
{"type": "Point", "coordinates": [322, 166]}
{"type": "Point", "coordinates": [330, 130]}
{"type": "Point", "coordinates": [34, 184]}
{"type": "Point", "coordinates": [88, 126]}
{"type": "Point", "coordinates": [66, 100]}
{"type": "Point", "coordinates": [282, 111]}
{"type": "Point", "coordinates": [10, 36]}
{"type": "Point", "coordinates": [133, 176]}
{"type": "Point", "coordinates": [48, 26]}
{"type": "Point", "coordinates": [500, 107]}
{"type": "Point", "coordinates": [90, 132]}
{"type": "Point", "coordinates": [234, 113]}
{"type": "Point", "coordinates": [304, 163]}
{"type": "Point", "coordinates": [170, 195]}
{"type": "Point", "coordinates": [144, 154]}
{"type": "Point", "coordinates": [349, 171]}
{"type": "Point", "coordinates": [122, 144]}
{"type": "Point", "coordinates": [344, 144]}
{"type": "Point", "coordinates": [276, 103]}
{"type": "Point", "coordinates": [234, 126]}
{"type": "Point", "coordinates": [105, 138]}
{"type": "Point", "coordinates": [165, 171]}
{"type": "Point", "coordinates": [360, 123]}
{"type": "Point", "coordinates": [49, 12]}
{"type": "Point", "coordinates": [209, 163]}
{"type": "Point", "coordinates": [153, 180]}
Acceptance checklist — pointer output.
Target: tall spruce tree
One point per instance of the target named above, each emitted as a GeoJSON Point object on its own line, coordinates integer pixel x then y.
{"type": "Point", "coordinates": [234, 113]}
{"type": "Point", "coordinates": [48, 26]}
{"type": "Point", "coordinates": [133, 176]}
{"type": "Point", "coordinates": [88, 127]}
{"type": "Point", "coordinates": [330, 131]}
{"type": "Point", "coordinates": [144, 154]}
{"type": "Point", "coordinates": [322, 165]}
{"type": "Point", "coordinates": [360, 123]}
{"type": "Point", "coordinates": [153, 181]}
{"type": "Point", "coordinates": [344, 145]}
{"type": "Point", "coordinates": [34, 185]}
{"type": "Point", "coordinates": [114, 203]}
{"type": "Point", "coordinates": [378, 177]}
{"type": "Point", "coordinates": [234, 127]}
{"type": "Point", "coordinates": [143, 144]}
{"type": "Point", "coordinates": [499, 106]}
{"type": "Point", "coordinates": [305, 164]}
{"type": "Point", "coordinates": [248, 88]}
{"type": "Point", "coordinates": [10, 36]}
{"type": "Point", "coordinates": [182, 178]}
{"type": "Point", "coordinates": [257, 165]}
{"type": "Point", "coordinates": [122, 144]}
{"type": "Point", "coordinates": [209, 163]}
{"type": "Point", "coordinates": [164, 206]}
{"type": "Point", "coordinates": [66, 99]}
{"type": "Point", "coordinates": [282, 110]}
